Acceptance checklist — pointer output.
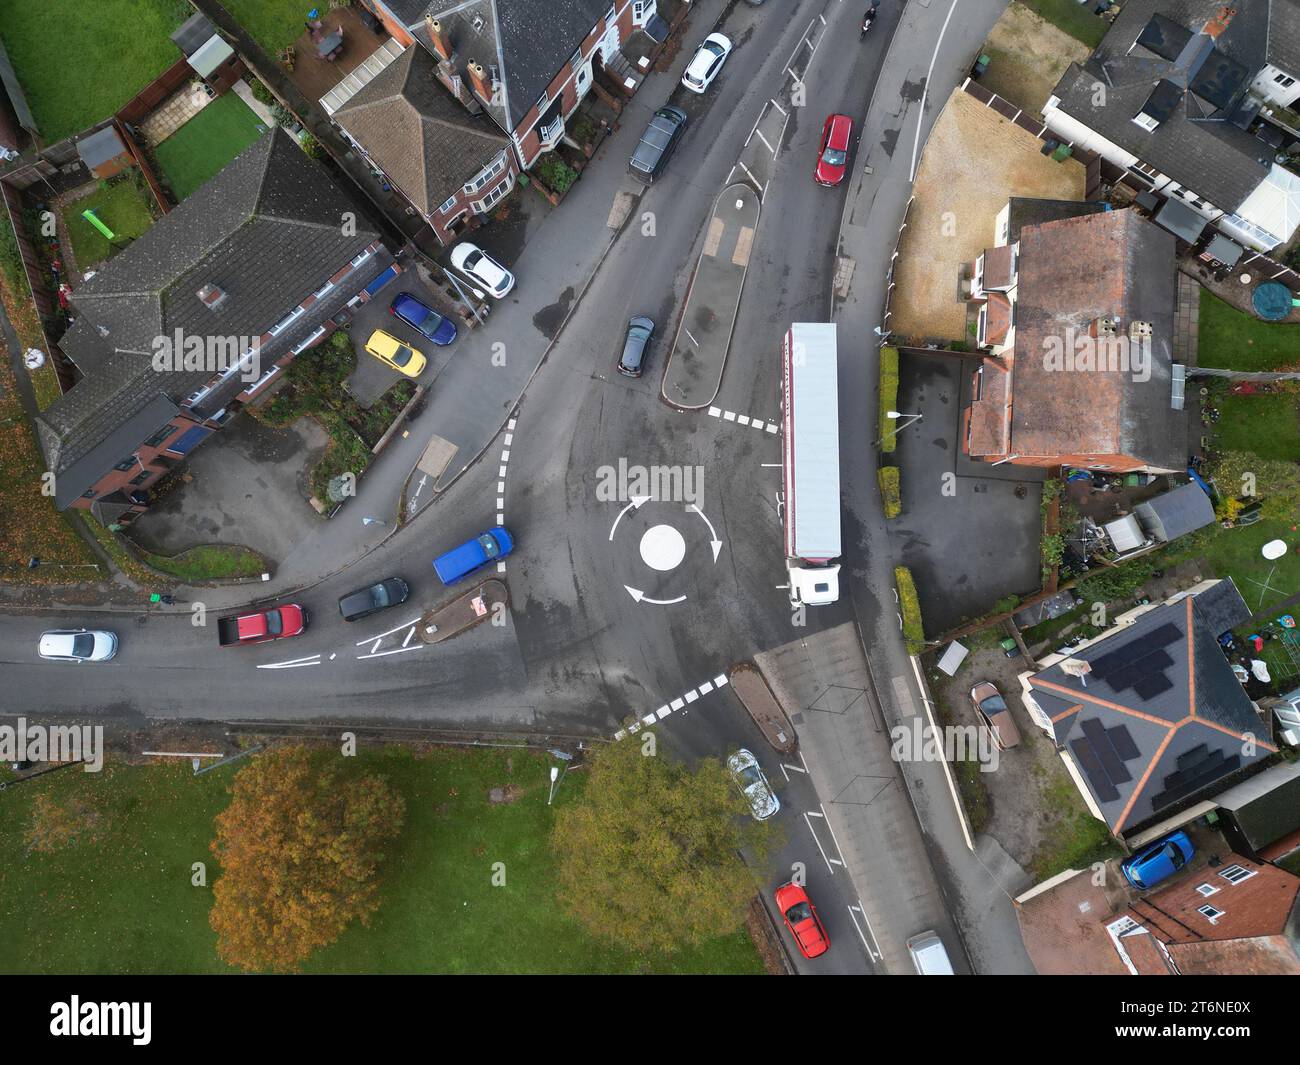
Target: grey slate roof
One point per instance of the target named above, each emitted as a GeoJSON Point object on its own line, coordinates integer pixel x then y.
{"type": "Point", "coordinates": [1161, 717]}
{"type": "Point", "coordinates": [528, 41]}
{"type": "Point", "coordinates": [1032, 211]}
{"type": "Point", "coordinates": [268, 230]}
{"type": "Point", "coordinates": [193, 34]}
{"type": "Point", "coordinates": [413, 129]}
{"type": "Point", "coordinates": [1153, 47]}
{"type": "Point", "coordinates": [100, 147]}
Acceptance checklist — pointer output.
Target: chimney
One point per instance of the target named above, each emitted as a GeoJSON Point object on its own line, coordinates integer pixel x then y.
{"type": "Point", "coordinates": [212, 296]}
{"type": "Point", "coordinates": [1102, 327]}
{"type": "Point", "coordinates": [1139, 330]}
{"type": "Point", "coordinates": [1219, 22]}
{"type": "Point", "coordinates": [482, 83]}
{"type": "Point", "coordinates": [441, 41]}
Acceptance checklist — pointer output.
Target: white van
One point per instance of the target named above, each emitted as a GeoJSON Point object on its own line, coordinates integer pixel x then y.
{"type": "Point", "coordinates": [928, 955]}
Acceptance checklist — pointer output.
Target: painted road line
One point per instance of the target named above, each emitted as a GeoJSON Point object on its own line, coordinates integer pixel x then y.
{"type": "Point", "coordinates": [794, 768]}
{"type": "Point", "coordinates": [808, 822]}
{"type": "Point", "coordinates": [685, 699]}
{"type": "Point", "coordinates": [294, 663]}
{"type": "Point", "coordinates": [831, 829]}
{"type": "Point", "coordinates": [372, 639]}
{"type": "Point", "coordinates": [396, 651]}
{"type": "Point", "coordinates": [408, 636]}
{"type": "Point", "coordinates": [874, 954]}
{"type": "Point", "coordinates": [920, 114]}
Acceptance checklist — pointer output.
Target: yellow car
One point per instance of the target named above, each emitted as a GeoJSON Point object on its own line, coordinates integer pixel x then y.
{"type": "Point", "coordinates": [392, 352]}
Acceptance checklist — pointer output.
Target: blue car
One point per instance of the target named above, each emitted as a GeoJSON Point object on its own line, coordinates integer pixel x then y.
{"type": "Point", "coordinates": [1157, 861]}
{"type": "Point", "coordinates": [425, 320]}
{"type": "Point", "coordinates": [462, 561]}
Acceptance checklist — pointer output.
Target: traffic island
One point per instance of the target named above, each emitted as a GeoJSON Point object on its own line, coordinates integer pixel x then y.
{"type": "Point", "coordinates": [752, 690]}
{"type": "Point", "coordinates": [694, 372]}
{"type": "Point", "coordinates": [473, 608]}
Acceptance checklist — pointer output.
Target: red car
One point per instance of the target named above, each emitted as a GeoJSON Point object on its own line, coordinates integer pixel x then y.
{"type": "Point", "coordinates": [802, 920]}
{"type": "Point", "coordinates": [276, 623]}
{"type": "Point", "coordinates": [833, 155]}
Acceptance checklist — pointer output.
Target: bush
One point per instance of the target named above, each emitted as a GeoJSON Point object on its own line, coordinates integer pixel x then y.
{"type": "Point", "coordinates": [260, 92]}
{"type": "Point", "coordinates": [1120, 582]}
{"type": "Point", "coordinates": [282, 115]}
{"type": "Point", "coordinates": [888, 398]}
{"type": "Point", "coordinates": [556, 173]}
{"type": "Point", "coordinates": [11, 260]}
{"type": "Point", "coordinates": [312, 147]}
{"type": "Point", "coordinates": [889, 491]}
{"type": "Point", "coordinates": [910, 607]}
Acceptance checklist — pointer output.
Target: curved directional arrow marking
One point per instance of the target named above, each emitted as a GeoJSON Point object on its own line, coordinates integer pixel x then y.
{"type": "Point", "coordinates": [714, 542]}
{"type": "Point", "coordinates": [639, 596]}
{"type": "Point", "coordinates": [637, 502]}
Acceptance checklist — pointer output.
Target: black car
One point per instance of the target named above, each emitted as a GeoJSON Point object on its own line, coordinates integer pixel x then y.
{"type": "Point", "coordinates": [657, 143]}
{"type": "Point", "coordinates": [366, 601]}
{"type": "Point", "coordinates": [639, 331]}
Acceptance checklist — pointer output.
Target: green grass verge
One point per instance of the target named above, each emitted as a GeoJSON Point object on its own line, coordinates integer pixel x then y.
{"type": "Point", "coordinates": [122, 206]}
{"type": "Point", "coordinates": [194, 154]}
{"type": "Point", "coordinates": [888, 398]}
{"type": "Point", "coordinates": [123, 902]}
{"type": "Point", "coordinates": [78, 65]}
{"type": "Point", "coordinates": [1266, 424]}
{"type": "Point", "coordinates": [213, 562]}
{"type": "Point", "coordinates": [1233, 340]}
{"type": "Point", "coordinates": [1077, 838]}
{"type": "Point", "coordinates": [890, 491]}
{"type": "Point", "coordinates": [910, 607]}
{"type": "Point", "coordinates": [1071, 17]}
{"type": "Point", "coordinates": [1235, 553]}
{"type": "Point", "coordinates": [274, 24]}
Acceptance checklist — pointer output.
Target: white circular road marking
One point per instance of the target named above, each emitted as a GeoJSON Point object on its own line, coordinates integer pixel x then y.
{"type": "Point", "coordinates": [662, 548]}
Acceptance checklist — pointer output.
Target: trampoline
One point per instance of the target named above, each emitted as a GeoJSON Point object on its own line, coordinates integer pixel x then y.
{"type": "Point", "coordinates": [1272, 301]}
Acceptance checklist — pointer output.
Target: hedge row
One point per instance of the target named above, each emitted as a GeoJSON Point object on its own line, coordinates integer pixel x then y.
{"type": "Point", "coordinates": [910, 607]}
{"type": "Point", "coordinates": [890, 493]}
{"type": "Point", "coordinates": [888, 398]}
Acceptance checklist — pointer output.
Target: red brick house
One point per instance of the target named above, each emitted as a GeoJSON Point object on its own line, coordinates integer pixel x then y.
{"type": "Point", "coordinates": [516, 69]}
{"type": "Point", "coordinates": [1076, 316]}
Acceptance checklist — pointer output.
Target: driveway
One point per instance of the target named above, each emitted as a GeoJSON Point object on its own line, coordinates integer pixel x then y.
{"type": "Point", "coordinates": [248, 486]}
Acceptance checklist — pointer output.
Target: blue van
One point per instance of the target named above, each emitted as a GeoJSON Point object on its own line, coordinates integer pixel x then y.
{"type": "Point", "coordinates": [462, 561]}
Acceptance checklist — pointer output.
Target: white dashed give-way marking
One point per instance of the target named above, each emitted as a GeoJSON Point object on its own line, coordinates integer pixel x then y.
{"type": "Point", "coordinates": [744, 419]}
{"type": "Point", "coordinates": [501, 481]}
{"type": "Point", "coordinates": [685, 699]}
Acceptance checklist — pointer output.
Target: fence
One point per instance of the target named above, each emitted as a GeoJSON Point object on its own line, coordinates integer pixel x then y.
{"type": "Point", "coordinates": [166, 83]}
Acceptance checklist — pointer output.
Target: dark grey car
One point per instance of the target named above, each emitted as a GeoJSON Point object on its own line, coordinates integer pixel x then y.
{"type": "Point", "coordinates": [657, 143]}
{"type": "Point", "coordinates": [639, 331]}
{"type": "Point", "coordinates": [366, 601]}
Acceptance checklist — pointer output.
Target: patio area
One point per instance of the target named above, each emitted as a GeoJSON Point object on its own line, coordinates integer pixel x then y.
{"type": "Point", "coordinates": [323, 58]}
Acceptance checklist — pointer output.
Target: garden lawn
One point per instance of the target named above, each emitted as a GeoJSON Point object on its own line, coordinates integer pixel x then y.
{"type": "Point", "coordinates": [207, 142]}
{"type": "Point", "coordinates": [122, 206]}
{"type": "Point", "coordinates": [274, 24]}
{"type": "Point", "coordinates": [78, 65]}
{"type": "Point", "coordinates": [1233, 340]}
{"type": "Point", "coordinates": [123, 903]}
{"type": "Point", "coordinates": [1235, 553]}
{"type": "Point", "coordinates": [1266, 424]}
{"type": "Point", "coordinates": [214, 562]}
{"type": "Point", "coordinates": [1074, 18]}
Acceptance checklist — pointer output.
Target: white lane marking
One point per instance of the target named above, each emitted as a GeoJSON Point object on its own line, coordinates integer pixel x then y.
{"type": "Point", "coordinates": [294, 663]}
{"type": "Point", "coordinates": [803, 768]}
{"type": "Point", "coordinates": [759, 134]}
{"type": "Point", "coordinates": [808, 822]}
{"type": "Point", "coordinates": [511, 425]}
{"type": "Point", "coordinates": [778, 107]}
{"type": "Point", "coordinates": [409, 635]}
{"type": "Point", "coordinates": [396, 651]}
{"type": "Point", "coordinates": [920, 114]}
{"type": "Point", "coordinates": [399, 628]}
{"type": "Point", "coordinates": [874, 955]}
{"type": "Point", "coordinates": [830, 828]}
{"type": "Point", "coordinates": [689, 337]}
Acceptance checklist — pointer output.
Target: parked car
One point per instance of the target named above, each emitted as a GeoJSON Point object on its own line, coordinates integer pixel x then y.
{"type": "Point", "coordinates": [706, 62]}
{"type": "Point", "coordinates": [431, 325]}
{"type": "Point", "coordinates": [657, 143]}
{"type": "Point", "coordinates": [928, 955]}
{"type": "Point", "coordinates": [366, 601]}
{"type": "Point", "coordinates": [274, 623]}
{"type": "Point", "coordinates": [833, 153]}
{"type": "Point", "coordinates": [1157, 861]}
{"type": "Point", "coordinates": [394, 354]}
{"type": "Point", "coordinates": [77, 645]}
{"type": "Point", "coordinates": [461, 561]}
{"type": "Point", "coordinates": [748, 775]}
{"type": "Point", "coordinates": [992, 711]}
{"type": "Point", "coordinates": [639, 331]}
{"type": "Point", "coordinates": [480, 267]}
{"type": "Point", "coordinates": [801, 918]}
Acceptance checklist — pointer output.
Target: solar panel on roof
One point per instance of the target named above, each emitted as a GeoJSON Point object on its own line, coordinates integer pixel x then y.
{"type": "Point", "coordinates": [1150, 687]}
{"type": "Point", "coordinates": [1154, 662]}
{"type": "Point", "coordinates": [1196, 768]}
{"type": "Point", "coordinates": [1095, 732]}
{"type": "Point", "coordinates": [1122, 741]}
{"type": "Point", "coordinates": [1092, 769]}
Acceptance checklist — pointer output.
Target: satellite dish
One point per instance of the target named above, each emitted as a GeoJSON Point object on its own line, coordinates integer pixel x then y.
{"type": "Point", "coordinates": [33, 358]}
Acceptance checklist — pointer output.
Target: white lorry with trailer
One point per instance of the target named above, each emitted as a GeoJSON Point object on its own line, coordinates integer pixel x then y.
{"type": "Point", "coordinates": [811, 466]}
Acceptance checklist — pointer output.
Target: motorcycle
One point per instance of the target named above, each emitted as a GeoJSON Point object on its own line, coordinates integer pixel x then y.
{"type": "Point", "coordinates": [869, 18]}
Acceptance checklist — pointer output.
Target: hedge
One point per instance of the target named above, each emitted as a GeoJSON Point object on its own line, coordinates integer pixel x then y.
{"type": "Point", "coordinates": [889, 490]}
{"type": "Point", "coordinates": [910, 607]}
{"type": "Point", "coordinates": [888, 398]}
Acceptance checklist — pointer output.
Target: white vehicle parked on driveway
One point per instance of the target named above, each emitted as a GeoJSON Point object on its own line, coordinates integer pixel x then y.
{"type": "Point", "coordinates": [749, 777]}
{"type": "Point", "coordinates": [77, 645]}
{"type": "Point", "coordinates": [706, 62]}
{"type": "Point", "coordinates": [481, 268]}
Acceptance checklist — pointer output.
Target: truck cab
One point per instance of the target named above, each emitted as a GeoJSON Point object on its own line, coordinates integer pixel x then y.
{"type": "Point", "coordinates": [813, 585]}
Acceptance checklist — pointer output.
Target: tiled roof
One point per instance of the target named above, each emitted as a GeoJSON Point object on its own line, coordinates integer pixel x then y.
{"type": "Point", "coordinates": [989, 425]}
{"type": "Point", "coordinates": [526, 41]}
{"type": "Point", "coordinates": [413, 129]}
{"type": "Point", "coordinates": [1071, 272]}
{"type": "Point", "coordinates": [1159, 719]}
{"type": "Point", "coordinates": [268, 230]}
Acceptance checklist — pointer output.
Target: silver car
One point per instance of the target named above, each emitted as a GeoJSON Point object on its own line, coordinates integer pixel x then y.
{"type": "Point", "coordinates": [748, 775]}
{"type": "Point", "coordinates": [78, 645]}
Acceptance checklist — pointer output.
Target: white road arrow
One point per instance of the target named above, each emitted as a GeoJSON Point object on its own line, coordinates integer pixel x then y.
{"type": "Point", "coordinates": [637, 503]}
{"type": "Point", "coordinates": [639, 596]}
{"type": "Point", "coordinates": [714, 542]}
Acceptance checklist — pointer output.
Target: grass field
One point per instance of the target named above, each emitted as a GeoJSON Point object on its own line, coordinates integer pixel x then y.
{"type": "Point", "coordinates": [77, 66]}
{"type": "Point", "coordinates": [274, 24]}
{"type": "Point", "coordinates": [1074, 18]}
{"type": "Point", "coordinates": [123, 902]}
{"type": "Point", "coordinates": [1235, 553]}
{"type": "Point", "coordinates": [122, 207]}
{"type": "Point", "coordinates": [215, 562]}
{"type": "Point", "coordinates": [1268, 425]}
{"type": "Point", "coordinates": [1232, 340]}
{"type": "Point", "coordinates": [206, 143]}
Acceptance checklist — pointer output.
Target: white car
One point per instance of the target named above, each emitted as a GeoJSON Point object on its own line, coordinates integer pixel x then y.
{"type": "Point", "coordinates": [480, 267]}
{"type": "Point", "coordinates": [749, 777]}
{"type": "Point", "coordinates": [706, 62]}
{"type": "Point", "coordinates": [78, 645]}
